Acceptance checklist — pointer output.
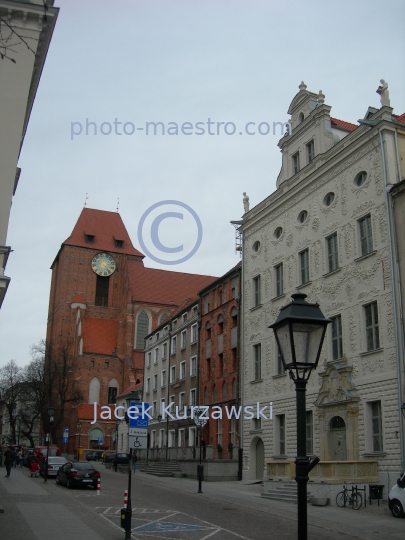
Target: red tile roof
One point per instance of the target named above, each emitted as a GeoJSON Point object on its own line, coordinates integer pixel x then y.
{"type": "Point", "coordinates": [347, 126]}
{"type": "Point", "coordinates": [104, 226]}
{"type": "Point", "coordinates": [134, 386]}
{"type": "Point", "coordinates": [163, 286]}
{"type": "Point", "coordinates": [100, 336]}
{"type": "Point", "coordinates": [400, 118]}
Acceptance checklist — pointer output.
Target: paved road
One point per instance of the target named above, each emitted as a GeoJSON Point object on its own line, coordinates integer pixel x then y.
{"type": "Point", "coordinates": [169, 508]}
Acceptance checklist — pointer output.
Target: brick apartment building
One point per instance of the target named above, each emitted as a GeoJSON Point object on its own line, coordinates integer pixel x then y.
{"type": "Point", "coordinates": [103, 303]}
{"type": "Point", "coordinates": [219, 366]}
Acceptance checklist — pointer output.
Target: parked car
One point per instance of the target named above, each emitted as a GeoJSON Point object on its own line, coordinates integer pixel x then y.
{"type": "Point", "coordinates": [396, 498]}
{"type": "Point", "coordinates": [121, 459]}
{"type": "Point", "coordinates": [94, 456]}
{"type": "Point", "coordinates": [54, 463]}
{"type": "Point", "coordinates": [40, 452]}
{"type": "Point", "coordinates": [77, 474]}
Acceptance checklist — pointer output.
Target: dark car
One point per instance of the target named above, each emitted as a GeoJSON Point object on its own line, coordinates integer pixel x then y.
{"type": "Point", "coordinates": [120, 459]}
{"type": "Point", "coordinates": [54, 464]}
{"type": "Point", "coordinates": [77, 474]}
{"type": "Point", "coordinates": [94, 456]}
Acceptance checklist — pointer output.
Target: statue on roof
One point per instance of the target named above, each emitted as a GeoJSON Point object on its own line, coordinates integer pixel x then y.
{"type": "Point", "coordinates": [245, 202]}
{"type": "Point", "coordinates": [385, 96]}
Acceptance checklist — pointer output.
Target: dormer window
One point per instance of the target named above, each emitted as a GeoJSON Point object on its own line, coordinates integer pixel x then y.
{"type": "Point", "coordinates": [296, 162]}
{"type": "Point", "coordinates": [310, 151]}
{"type": "Point", "coordinates": [119, 243]}
{"type": "Point", "coordinates": [89, 238]}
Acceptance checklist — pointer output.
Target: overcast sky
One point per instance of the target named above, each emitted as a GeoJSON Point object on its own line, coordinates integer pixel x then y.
{"type": "Point", "coordinates": [179, 61]}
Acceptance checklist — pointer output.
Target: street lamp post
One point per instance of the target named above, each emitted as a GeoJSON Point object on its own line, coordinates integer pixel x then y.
{"type": "Point", "coordinates": [51, 412]}
{"type": "Point", "coordinates": [127, 512]}
{"type": "Point", "coordinates": [79, 427]}
{"type": "Point", "coordinates": [300, 330]}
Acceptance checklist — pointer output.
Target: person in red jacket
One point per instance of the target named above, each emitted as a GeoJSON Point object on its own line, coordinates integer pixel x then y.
{"type": "Point", "coordinates": [34, 469]}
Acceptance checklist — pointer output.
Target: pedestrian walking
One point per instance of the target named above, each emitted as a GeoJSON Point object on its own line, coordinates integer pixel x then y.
{"type": "Point", "coordinates": [20, 456]}
{"type": "Point", "coordinates": [134, 460]}
{"type": "Point", "coordinates": [10, 457]}
{"type": "Point", "coordinates": [34, 469]}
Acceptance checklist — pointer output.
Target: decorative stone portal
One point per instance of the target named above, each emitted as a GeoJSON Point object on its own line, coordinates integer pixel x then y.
{"type": "Point", "coordinates": [338, 411]}
{"type": "Point", "coordinates": [256, 459]}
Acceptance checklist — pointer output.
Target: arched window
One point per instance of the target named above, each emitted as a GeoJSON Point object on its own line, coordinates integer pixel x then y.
{"type": "Point", "coordinates": [224, 391]}
{"type": "Point", "coordinates": [142, 330]}
{"type": "Point", "coordinates": [220, 324]}
{"type": "Point", "coordinates": [162, 318]}
{"type": "Point", "coordinates": [337, 423]}
{"type": "Point", "coordinates": [94, 390]}
{"type": "Point", "coordinates": [95, 435]}
{"type": "Point", "coordinates": [112, 391]}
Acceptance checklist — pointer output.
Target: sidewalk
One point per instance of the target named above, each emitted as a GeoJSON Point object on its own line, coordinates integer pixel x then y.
{"type": "Point", "coordinates": [34, 510]}
{"type": "Point", "coordinates": [366, 523]}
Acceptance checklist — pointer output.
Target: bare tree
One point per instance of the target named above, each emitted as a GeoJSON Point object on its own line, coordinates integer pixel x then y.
{"type": "Point", "coordinates": [11, 376]}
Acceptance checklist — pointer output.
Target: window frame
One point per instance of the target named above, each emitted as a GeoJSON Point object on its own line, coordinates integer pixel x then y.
{"type": "Point", "coordinates": [372, 330]}
{"type": "Point", "coordinates": [333, 252]}
{"type": "Point", "coordinates": [376, 434]}
{"type": "Point", "coordinates": [310, 146]}
{"type": "Point", "coordinates": [257, 362]}
{"type": "Point", "coordinates": [304, 268]}
{"type": "Point", "coordinates": [174, 345]}
{"type": "Point", "coordinates": [193, 372]}
{"type": "Point", "coordinates": [183, 370]}
{"type": "Point", "coordinates": [163, 378]}
{"type": "Point", "coordinates": [279, 279]}
{"type": "Point", "coordinates": [172, 374]}
{"type": "Point", "coordinates": [194, 333]}
{"type": "Point", "coordinates": [183, 339]}
{"type": "Point", "coordinates": [366, 235]}
{"type": "Point", "coordinates": [256, 291]}
{"type": "Point", "coordinates": [296, 162]}
{"type": "Point", "coordinates": [337, 337]}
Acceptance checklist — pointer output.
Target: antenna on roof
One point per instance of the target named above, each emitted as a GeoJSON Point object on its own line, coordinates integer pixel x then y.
{"type": "Point", "coordinates": [85, 201]}
{"type": "Point", "coordinates": [118, 203]}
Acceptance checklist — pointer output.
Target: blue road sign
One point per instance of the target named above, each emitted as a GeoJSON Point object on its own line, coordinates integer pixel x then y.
{"type": "Point", "coordinates": [65, 439]}
{"type": "Point", "coordinates": [100, 440]}
{"type": "Point", "coordinates": [139, 422]}
{"type": "Point", "coordinates": [66, 429]}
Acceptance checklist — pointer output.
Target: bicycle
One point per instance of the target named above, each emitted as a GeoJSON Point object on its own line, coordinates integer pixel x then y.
{"type": "Point", "coordinates": [355, 499]}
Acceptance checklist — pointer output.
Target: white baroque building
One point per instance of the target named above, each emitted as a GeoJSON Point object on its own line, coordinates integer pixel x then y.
{"type": "Point", "coordinates": [328, 232]}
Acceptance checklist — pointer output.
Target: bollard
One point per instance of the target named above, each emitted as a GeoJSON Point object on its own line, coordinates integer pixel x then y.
{"type": "Point", "coordinates": [125, 498]}
{"type": "Point", "coordinates": [98, 486]}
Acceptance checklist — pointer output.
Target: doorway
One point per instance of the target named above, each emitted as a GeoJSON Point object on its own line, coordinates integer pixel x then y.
{"type": "Point", "coordinates": [338, 439]}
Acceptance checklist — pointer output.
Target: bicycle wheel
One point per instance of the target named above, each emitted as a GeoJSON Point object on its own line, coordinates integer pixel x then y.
{"type": "Point", "coordinates": [341, 499]}
{"type": "Point", "coordinates": [357, 501]}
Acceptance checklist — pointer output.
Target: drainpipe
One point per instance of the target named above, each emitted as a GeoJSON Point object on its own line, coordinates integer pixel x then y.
{"type": "Point", "coordinates": [395, 279]}
{"type": "Point", "coordinates": [242, 343]}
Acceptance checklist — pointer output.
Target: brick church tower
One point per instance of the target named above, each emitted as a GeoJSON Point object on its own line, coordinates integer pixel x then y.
{"type": "Point", "coordinates": [103, 302]}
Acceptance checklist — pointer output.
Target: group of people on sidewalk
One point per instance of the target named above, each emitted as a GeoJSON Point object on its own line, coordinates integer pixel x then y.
{"type": "Point", "coordinates": [16, 458]}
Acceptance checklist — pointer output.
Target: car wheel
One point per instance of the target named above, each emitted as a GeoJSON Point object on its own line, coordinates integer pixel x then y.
{"type": "Point", "coordinates": [397, 509]}
{"type": "Point", "coordinates": [69, 484]}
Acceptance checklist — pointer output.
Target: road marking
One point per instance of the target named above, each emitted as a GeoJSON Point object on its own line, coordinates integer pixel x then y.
{"type": "Point", "coordinates": [169, 526]}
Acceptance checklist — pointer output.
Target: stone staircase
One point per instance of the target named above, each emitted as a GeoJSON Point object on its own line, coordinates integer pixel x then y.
{"type": "Point", "coordinates": [285, 491]}
{"type": "Point", "coordinates": [160, 468]}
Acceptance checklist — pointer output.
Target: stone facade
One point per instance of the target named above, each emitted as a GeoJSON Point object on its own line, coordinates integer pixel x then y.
{"type": "Point", "coordinates": [326, 231]}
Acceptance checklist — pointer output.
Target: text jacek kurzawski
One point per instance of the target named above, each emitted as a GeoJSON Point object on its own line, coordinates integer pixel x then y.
{"type": "Point", "coordinates": [215, 412]}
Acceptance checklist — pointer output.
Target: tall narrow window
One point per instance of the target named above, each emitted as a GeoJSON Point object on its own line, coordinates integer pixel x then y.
{"type": "Point", "coordinates": [372, 332]}
{"type": "Point", "coordinates": [296, 162]}
{"type": "Point", "coordinates": [194, 333]}
{"type": "Point", "coordinates": [279, 280]}
{"type": "Point", "coordinates": [309, 430]}
{"type": "Point", "coordinates": [310, 151]}
{"type": "Point", "coordinates": [183, 339]}
{"type": "Point", "coordinates": [333, 262]}
{"type": "Point", "coordinates": [142, 330]}
{"type": "Point", "coordinates": [206, 303]}
{"type": "Point", "coordinates": [280, 366]}
{"type": "Point", "coordinates": [174, 344]}
{"type": "Point", "coordinates": [102, 286]}
{"type": "Point", "coordinates": [155, 381]}
{"type": "Point", "coordinates": [304, 263]}
{"type": "Point", "coordinates": [256, 291]}
{"type": "Point", "coordinates": [281, 434]}
{"type": "Point", "coordinates": [257, 353]}
{"type": "Point", "coordinates": [337, 341]}
{"type": "Point", "coordinates": [112, 394]}
{"type": "Point", "coordinates": [366, 235]}
{"type": "Point", "coordinates": [377, 426]}
{"type": "Point", "coordinates": [173, 374]}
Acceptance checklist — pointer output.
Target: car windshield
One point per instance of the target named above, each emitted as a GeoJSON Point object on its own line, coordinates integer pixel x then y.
{"type": "Point", "coordinates": [60, 460]}
{"type": "Point", "coordinates": [82, 466]}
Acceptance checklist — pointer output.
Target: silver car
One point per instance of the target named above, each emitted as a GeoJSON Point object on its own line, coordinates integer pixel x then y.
{"type": "Point", "coordinates": [53, 465]}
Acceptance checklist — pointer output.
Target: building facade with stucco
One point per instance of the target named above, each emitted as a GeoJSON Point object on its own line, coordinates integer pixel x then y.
{"type": "Point", "coordinates": [327, 231]}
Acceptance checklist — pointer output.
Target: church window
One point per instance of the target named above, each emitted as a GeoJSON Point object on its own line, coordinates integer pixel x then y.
{"type": "Point", "coordinates": [94, 390]}
{"type": "Point", "coordinates": [102, 286]}
{"type": "Point", "coordinates": [142, 329]}
{"type": "Point", "coordinates": [310, 151]}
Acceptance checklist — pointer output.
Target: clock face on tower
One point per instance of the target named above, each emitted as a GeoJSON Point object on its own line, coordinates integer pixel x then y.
{"type": "Point", "coordinates": [103, 264]}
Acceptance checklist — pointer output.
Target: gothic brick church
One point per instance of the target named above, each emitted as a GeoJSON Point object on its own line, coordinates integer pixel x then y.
{"type": "Point", "coordinates": [103, 302]}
